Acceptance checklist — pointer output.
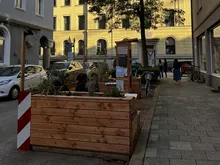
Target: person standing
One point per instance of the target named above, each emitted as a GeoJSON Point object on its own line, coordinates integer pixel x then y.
{"type": "Point", "coordinates": [176, 71]}
{"type": "Point", "coordinates": [161, 68]}
{"type": "Point", "coordinates": [165, 67]}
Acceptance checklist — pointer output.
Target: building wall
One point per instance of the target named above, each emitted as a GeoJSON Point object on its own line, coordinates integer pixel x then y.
{"type": "Point", "coordinates": [182, 34]}
{"type": "Point", "coordinates": [8, 9]}
{"type": "Point", "coordinates": [206, 35]}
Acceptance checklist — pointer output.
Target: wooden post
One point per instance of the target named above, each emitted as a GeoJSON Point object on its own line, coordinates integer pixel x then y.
{"type": "Point", "coordinates": [23, 60]}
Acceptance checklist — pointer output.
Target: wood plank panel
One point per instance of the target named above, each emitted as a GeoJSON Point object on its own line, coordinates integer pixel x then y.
{"type": "Point", "coordinates": [80, 113]}
{"type": "Point", "coordinates": [81, 137]}
{"type": "Point", "coordinates": [80, 121]}
{"type": "Point", "coordinates": [81, 105]}
{"type": "Point", "coordinates": [82, 98]}
{"type": "Point", "coordinates": [81, 145]}
{"type": "Point", "coordinates": [80, 129]}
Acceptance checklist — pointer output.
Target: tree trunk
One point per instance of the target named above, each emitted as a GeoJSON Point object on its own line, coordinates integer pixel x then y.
{"type": "Point", "coordinates": [143, 37]}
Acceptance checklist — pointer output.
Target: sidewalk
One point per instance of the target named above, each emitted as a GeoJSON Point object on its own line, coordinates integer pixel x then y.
{"type": "Point", "coordinates": [186, 126]}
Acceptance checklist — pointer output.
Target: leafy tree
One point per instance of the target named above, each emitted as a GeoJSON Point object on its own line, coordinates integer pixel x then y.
{"type": "Point", "coordinates": [143, 14]}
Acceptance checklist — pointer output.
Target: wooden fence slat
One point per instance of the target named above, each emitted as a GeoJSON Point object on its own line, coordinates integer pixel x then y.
{"type": "Point", "coordinates": [80, 121]}
{"type": "Point", "coordinates": [80, 113]}
{"type": "Point", "coordinates": [81, 105]}
{"type": "Point", "coordinates": [80, 137]}
{"type": "Point", "coordinates": [80, 129]}
{"type": "Point", "coordinates": [81, 145]}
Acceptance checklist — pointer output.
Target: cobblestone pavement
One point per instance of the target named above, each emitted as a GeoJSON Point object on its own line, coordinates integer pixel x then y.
{"type": "Point", "coordinates": [186, 126]}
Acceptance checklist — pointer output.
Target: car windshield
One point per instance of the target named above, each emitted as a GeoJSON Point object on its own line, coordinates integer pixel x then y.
{"type": "Point", "coordinates": [9, 71]}
{"type": "Point", "coordinates": [60, 65]}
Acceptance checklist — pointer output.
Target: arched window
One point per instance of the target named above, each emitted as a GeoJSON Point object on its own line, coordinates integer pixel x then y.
{"type": "Point", "coordinates": [80, 47]}
{"type": "Point", "coordinates": [65, 49]}
{"type": "Point", "coordinates": [2, 43]}
{"type": "Point", "coordinates": [170, 46]}
{"type": "Point", "coordinates": [101, 47]}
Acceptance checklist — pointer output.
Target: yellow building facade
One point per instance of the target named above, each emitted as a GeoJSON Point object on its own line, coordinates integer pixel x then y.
{"type": "Point", "coordinates": [167, 41]}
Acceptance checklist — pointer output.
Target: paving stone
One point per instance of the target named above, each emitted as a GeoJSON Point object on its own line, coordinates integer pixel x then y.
{"type": "Point", "coordinates": [202, 162]}
{"type": "Point", "coordinates": [213, 155]}
{"type": "Point", "coordinates": [197, 133]}
{"type": "Point", "coordinates": [169, 154]}
{"type": "Point", "coordinates": [186, 127]}
{"type": "Point", "coordinates": [168, 138]}
{"type": "Point", "coordinates": [160, 131]}
{"type": "Point", "coordinates": [203, 146]}
{"type": "Point", "coordinates": [214, 134]}
{"type": "Point", "coordinates": [151, 152]}
{"type": "Point", "coordinates": [154, 126]}
{"type": "Point", "coordinates": [180, 146]}
{"type": "Point", "coordinates": [210, 123]}
{"type": "Point", "coordinates": [198, 119]}
{"type": "Point", "coordinates": [178, 132]}
{"type": "Point", "coordinates": [197, 155]}
{"type": "Point", "coordinates": [217, 147]}
{"type": "Point", "coordinates": [156, 118]}
{"type": "Point", "coordinates": [159, 145]}
{"type": "Point", "coordinates": [211, 140]}
{"type": "Point", "coordinates": [194, 139]}
{"type": "Point", "coordinates": [156, 161]}
{"type": "Point", "coordinates": [154, 137]}
{"type": "Point", "coordinates": [182, 162]}
{"type": "Point", "coordinates": [168, 126]}
{"type": "Point", "coordinates": [204, 128]}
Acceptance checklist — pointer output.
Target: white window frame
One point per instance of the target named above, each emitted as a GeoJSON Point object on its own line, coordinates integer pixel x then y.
{"type": "Point", "coordinates": [23, 4]}
{"type": "Point", "coordinates": [41, 6]}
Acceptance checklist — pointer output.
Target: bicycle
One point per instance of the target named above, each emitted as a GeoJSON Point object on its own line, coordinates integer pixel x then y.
{"type": "Point", "coordinates": [195, 75]}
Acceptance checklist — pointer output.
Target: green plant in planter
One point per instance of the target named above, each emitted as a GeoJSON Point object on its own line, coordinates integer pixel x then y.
{"type": "Point", "coordinates": [114, 92]}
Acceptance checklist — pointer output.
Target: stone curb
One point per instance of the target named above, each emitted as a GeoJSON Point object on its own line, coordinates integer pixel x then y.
{"type": "Point", "coordinates": [141, 146]}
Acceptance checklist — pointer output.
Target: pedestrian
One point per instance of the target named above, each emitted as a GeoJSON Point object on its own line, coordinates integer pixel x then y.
{"type": "Point", "coordinates": [165, 67]}
{"type": "Point", "coordinates": [161, 68]}
{"type": "Point", "coordinates": [176, 71]}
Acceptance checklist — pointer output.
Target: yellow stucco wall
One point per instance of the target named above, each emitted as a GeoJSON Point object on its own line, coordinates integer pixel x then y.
{"type": "Point", "coordinates": [182, 34]}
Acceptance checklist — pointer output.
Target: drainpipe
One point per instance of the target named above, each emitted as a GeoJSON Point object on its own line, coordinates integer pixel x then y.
{"type": "Point", "coordinates": [192, 29]}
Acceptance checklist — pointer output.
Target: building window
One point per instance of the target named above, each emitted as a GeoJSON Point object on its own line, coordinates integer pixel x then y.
{"type": "Point", "coordinates": [216, 49]}
{"type": "Point", "coordinates": [53, 49]}
{"type": "Point", "coordinates": [66, 2]}
{"type": "Point", "coordinates": [202, 52]}
{"type": "Point", "coordinates": [169, 18]}
{"type": "Point", "coordinates": [40, 7]}
{"type": "Point", "coordinates": [54, 23]}
{"type": "Point", "coordinates": [170, 46]}
{"type": "Point", "coordinates": [20, 4]}
{"type": "Point", "coordinates": [66, 22]}
{"type": "Point", "coordinates": [81, 47]}
{"type": "Point", "coordinates": [101, 47]}
{"type": "Point", "coordinates": [126, 23]}
{"type": "Point", "coordinates": [102, 22]}
{"type": "Point", "coordinates": [54, 3]}
{"type": "Point", "coordinates": [81, 19]}
{"type": "Point", "coordinates": [81, 2]}
{"type": "Point", "coordinates": [2, 45]}
{"type": "Point", "coordinates": [65, 47]}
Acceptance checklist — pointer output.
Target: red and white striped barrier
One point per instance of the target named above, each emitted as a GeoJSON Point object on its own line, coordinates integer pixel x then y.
{"type": "Point", "coordinates": [24, 121]}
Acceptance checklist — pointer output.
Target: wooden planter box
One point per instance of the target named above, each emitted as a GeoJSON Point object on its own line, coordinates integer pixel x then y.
{"type": "Point", "coordinates": [103, 87]}
{"type": "Point", "coordinates": [136, 86]}
{"type": "Point", "coordinates": [82, 123]}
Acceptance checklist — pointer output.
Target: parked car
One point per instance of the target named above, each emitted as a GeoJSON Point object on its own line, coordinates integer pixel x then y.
{"type": "Point", "coordinates": [10, 79]}
{"type": "Point", "coordinates": [95, 66]}
{"type": "Point", "coordinates": [69, 69]}
{"type": "Point", "coordinates": [186, 67]}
